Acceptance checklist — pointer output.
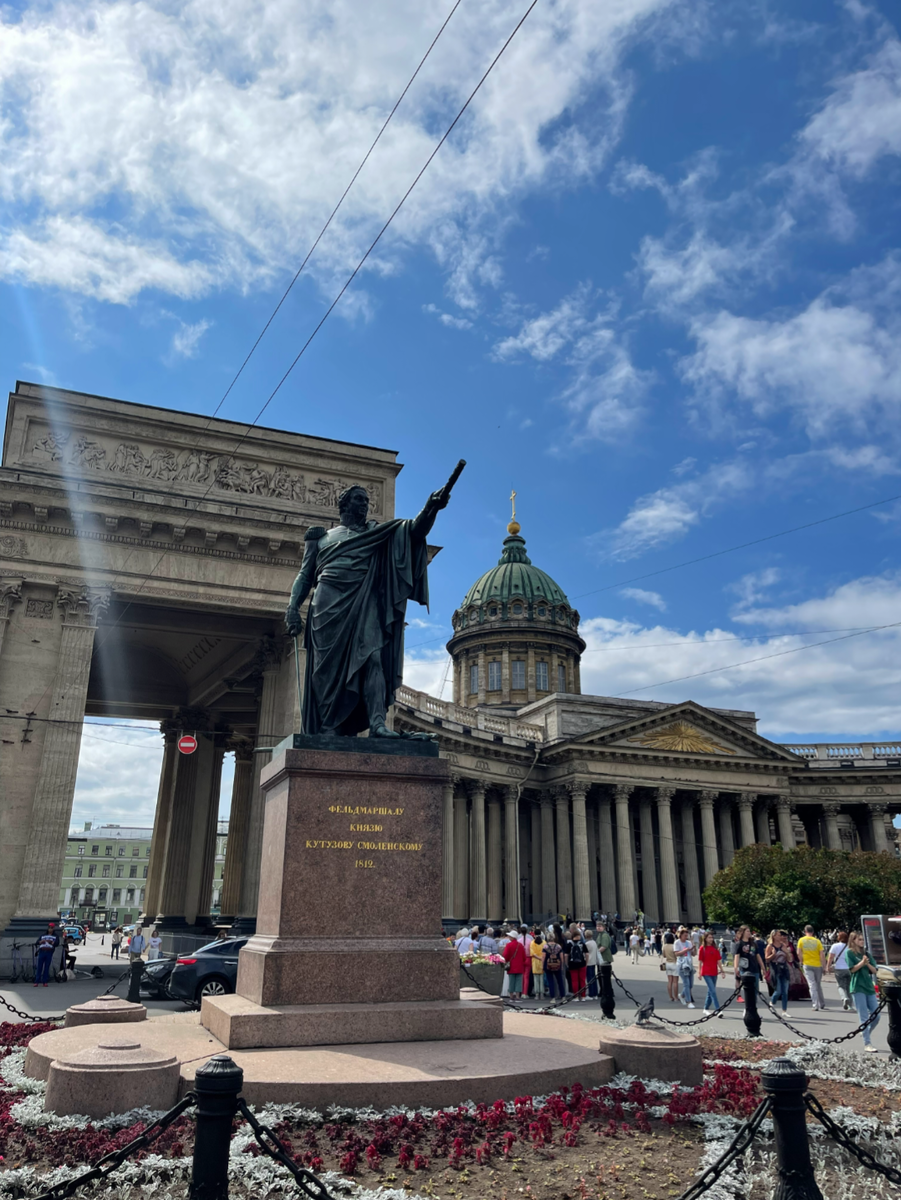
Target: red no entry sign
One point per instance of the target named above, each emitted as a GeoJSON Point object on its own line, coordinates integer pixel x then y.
{"type": "Point", "coordinates": [187, 744]}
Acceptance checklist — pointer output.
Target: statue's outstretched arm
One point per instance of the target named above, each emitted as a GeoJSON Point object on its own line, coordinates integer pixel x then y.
{"type": "Point", "coordinates": [423, 522]}
{"type": "Point", "coordinates": [303, 584]}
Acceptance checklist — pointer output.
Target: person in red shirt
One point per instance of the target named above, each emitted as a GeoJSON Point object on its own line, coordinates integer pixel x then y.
{"type": "Point", "coordinates": [514, 954]}
{"type": "Point", "coordinates": [711, 963]}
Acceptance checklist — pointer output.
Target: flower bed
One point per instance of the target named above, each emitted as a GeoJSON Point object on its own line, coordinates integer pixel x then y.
{"type": "Point", "coordinates": [626, 1139]}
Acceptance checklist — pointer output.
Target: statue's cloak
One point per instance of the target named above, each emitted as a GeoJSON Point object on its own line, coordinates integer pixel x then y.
{"type": "Point", "coordinates": [358, 606]}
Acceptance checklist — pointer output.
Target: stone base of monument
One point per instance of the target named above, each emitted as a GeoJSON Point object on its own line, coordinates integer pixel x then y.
{"type": "Point", "coordinates": [654, 1053]}
{"type": "Point", "coordinates": [113, 1076]}
{"type": "Point", "coordinates": [105, 1010]}
{"type": "Point", "coordinates": [240, 1024]}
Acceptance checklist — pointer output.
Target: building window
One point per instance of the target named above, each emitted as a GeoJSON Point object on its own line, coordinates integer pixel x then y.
{"type": "Point", "coordinates": [147, 852]}
{"type": "Point", "coordinates": [130, 896]}
{"type": "Point", "coordinates": [106, 870]}
{"type": "Point", "coordinates": [474, 679]}
{"type": "Point", "coordinates": [95, 849]}
{"type": "Point", "coordinates": [117, 895]}
{"type": "Point", "coordinates": [494, 677]}
{"type": "Point", "coordinates": [121, 851]}
{"type": "Point", "coordinates": [101, 895]}
{"type": "Point", "coordinates": [142, 895]}
{"type": "Point", "coordinates": [77, 871]}
{"type": "Point", "coordinates": [92, 871]}
{"type": "Point", "coordinates": [108, 851]}
{"type": "Point", "coordinates": [518, 668]}
{"type": "Point", "coordinates": [136, 852]}
{"type": "Point", "coordinates": [81, 849]}
{"type": "Point", "coordinates": [561, 677]}
{"type": "Point", "coordinates": [542, 611]}
{"type": "Point", "coordinates": [76, 892]}
{"type": "Point", "coordinates": [517, 610]}
{"type": "Point", "coordinates": [492, 612]}
{"type": "Point", "coordinates": [119, 870]}
{"type": "Point", "coordinates": [89, 895]}
{"type": "Point", "coordinates": [541, 676]}
{"type": "Point", "coordinates": [145, 872]}
{"type": "Point", "coordinates": [132, 872]}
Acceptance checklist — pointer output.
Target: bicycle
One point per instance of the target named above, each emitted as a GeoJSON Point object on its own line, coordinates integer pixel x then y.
{"type": "Point", "coordinates": [21, 969]}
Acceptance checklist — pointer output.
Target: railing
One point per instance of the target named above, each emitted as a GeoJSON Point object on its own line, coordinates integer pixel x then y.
{"type": "Point", "coordinates": [847, 751]}
{"type": "Point", "coordinates": [473, 718]}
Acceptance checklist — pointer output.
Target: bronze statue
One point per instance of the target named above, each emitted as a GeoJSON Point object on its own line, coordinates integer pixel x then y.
{"type": "Point", "coordinates": [361, 574]}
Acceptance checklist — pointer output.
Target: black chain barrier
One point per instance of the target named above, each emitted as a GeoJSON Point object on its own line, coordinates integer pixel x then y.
{"type": "Point", "coordinates": [24, 1016]}
{"type": "Point", "coordinates": [268, 1141]}
{"type": "Point", "coordinates": [488, 992]}
{"type": "Point", "coordinates": [681, 1024]}
{"type": "Point", "coordinates": [838, 1135]}
{"type": "Point", "coordinates": [812, 1037]}
{"type": "Point", "coordinates": [739, 1144]}
{"type": "Point", "coordinates": [106, 1165]}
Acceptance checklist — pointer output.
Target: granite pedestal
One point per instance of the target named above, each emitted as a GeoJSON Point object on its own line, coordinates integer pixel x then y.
{"type": "Point", "coordinates": [348, 944]}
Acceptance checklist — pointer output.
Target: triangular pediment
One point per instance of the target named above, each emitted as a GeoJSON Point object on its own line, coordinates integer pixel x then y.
{"type": "Point", "coordinates": [685, 729]}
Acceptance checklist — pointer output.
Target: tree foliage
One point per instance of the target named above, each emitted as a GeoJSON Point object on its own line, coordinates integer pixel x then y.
{"type": "Point", "coordinates": [770, 888]}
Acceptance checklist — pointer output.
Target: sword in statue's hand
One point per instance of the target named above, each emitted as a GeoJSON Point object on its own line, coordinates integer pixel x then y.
{"type": "Point", "coordinates": [443, 495]}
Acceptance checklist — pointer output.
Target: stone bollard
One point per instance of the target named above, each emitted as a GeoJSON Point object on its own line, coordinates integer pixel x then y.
{"type": "Point", "coordinates": [134, 983]}
{"type": "Point", "coordinates": [892, 993]}
{"type": "Point", "coordinates": [785, 1084]}
{"type": "Point", "coordinates": [217, 1085]}
{"type": "Point", "coordinates": [749, 984]}
{"type": "Point", "coordinates": [605, 983]}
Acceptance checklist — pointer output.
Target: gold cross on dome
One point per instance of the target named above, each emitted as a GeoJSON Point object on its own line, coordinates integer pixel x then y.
{"type": "Point", "coordinates": [513, 502]}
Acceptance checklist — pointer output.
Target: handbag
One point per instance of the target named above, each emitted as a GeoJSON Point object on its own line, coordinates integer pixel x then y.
{"type": "Point", "coordinates": [663, 966]}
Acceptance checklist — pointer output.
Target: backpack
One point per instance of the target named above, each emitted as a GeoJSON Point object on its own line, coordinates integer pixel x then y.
{"type": "Point", "coordinates": [553, 957]}
{"type": "Point", "coordinates": [576, 954]}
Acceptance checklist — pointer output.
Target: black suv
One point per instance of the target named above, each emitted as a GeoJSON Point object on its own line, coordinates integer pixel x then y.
{"type": "Point", "coordinates": [210, 971]}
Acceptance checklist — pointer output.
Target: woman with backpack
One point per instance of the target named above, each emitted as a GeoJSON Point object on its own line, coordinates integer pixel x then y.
{"type": "Point", "coordinates": [577, 961]}
{"type": "Point", "coordinates": [555, 965]}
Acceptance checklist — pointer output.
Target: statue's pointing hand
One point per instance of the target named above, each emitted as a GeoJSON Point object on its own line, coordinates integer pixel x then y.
{"type": "Point", "coordinates": [293, 621]}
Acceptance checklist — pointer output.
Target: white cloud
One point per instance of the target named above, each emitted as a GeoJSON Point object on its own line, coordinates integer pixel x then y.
{"type": "Point", "coordinates": [447, 318]}
{"type": "Point", "coordinates": [871, 600]}
{"type": "Point", "coordinates": [186, 341]}
{"type": "Point", "coordinates": [201, 145]}
{"type": "Point", "coordinates": [753, 586]}
{"type": "Point", "coordinates": [640, 596]}
{"type": "Point", "coordinates": [669, 513]}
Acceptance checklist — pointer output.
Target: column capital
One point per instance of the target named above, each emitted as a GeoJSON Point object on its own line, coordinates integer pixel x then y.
{"type": "Point", "coordinates": [510, 792]}
{"type": "Point", "coordinates": [746, 799]}
{"type": "Point", "coordinates": [544, 798]}
{"type": "Point", "coordinates": [578, 788]}
{"type": "Point", "coordinates": [560, 792]}
{"type": "Point", "coordinates": [877, 806]}
{"type": "Point", "coordinates": [831, 807]}
{"type": "Point", "coordinates": [706, 798]}
{"type": "Point", "coordinates": [170, 728]}
{"type": "Point", "coordinates": [190, 719]}
{"type": "Point", "coordinates": [242, 748]}
{"type": "Point", "coordinates": [454, 778]}
{"type": "Point", "coordinates": [622, 791]}
{"type": "Point", "coordinates": [665, 795]}
{"type": "Point", "coordinates": [475, 787]}
{"type": "Point", "coordinates": [268, 656]}
{"type": "Point", "coordinates": [82, 605]}
{"type": "Point", "coordinates": [10, 594]}
{"type": "Point", "coordinates": [784, 803]}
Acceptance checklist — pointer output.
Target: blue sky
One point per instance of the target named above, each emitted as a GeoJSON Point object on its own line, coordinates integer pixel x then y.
{"type": "Point", "coordinates": [651, 282]}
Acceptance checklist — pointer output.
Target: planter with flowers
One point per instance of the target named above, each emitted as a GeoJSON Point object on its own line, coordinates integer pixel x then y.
{"type": "Point", "coordinates": [487, 969]}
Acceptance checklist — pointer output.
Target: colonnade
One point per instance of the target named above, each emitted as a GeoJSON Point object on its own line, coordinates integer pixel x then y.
{"type": "Point", "coordinates": [582, 848]}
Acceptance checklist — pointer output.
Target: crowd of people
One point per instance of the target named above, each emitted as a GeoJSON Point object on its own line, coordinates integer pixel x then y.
{"type": "Point", "coordinates": [561, 960]}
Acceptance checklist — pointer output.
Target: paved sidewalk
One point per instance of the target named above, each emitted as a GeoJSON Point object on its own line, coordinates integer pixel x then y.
{"type": "Point", "coordinates": [646, 979]}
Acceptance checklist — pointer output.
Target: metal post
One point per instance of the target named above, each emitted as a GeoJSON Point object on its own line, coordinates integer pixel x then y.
{"type": "Point", "coordinates": [892, 993]}
{"type": "Point", "coordinates": [217, 1085]}
{"type": "Point", "coordinates": [749, 984]}
{"type": "Point", "coordinates": [134, 982]}
{"type": "Point", "coordinates": [785, 1084]}
{"type": "Point", "coordinates": [605, 985]}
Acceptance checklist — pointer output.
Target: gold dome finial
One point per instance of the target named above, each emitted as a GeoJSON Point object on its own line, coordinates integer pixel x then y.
{"type": "Point", "coordinates": [514, 527]}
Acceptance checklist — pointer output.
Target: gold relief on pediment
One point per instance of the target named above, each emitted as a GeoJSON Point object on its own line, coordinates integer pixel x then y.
{"type": "Point", "coordinates": [680, 736]}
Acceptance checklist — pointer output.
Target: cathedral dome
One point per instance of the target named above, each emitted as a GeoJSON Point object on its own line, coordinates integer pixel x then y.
{"type": "Point", "coordinates": [514, 577]}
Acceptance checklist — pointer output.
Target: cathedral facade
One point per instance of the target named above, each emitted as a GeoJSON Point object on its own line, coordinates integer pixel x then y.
{"type": "Point", "coordinates": [559, 802]}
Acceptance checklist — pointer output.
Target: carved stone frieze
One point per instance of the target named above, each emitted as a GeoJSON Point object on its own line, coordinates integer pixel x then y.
{"type": "Point", "coordinates": [204, 468]}
{"type": "Point", "coordinates": [13, 547]}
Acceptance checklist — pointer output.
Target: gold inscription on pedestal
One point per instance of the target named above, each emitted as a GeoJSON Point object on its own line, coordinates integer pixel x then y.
{"type": "Point", "coordinates": [389, 845]}
{"type": "Point", "coordinates": [365, 829]}
{"type": "Point", "coordinates": [361, 810]}
{"type": "Point", "coordinates": [319, 844]}
{"type": "Point", "coordinates": [364, 862]}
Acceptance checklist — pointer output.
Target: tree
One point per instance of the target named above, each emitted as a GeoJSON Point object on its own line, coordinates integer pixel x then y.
{"type": "Point", "coordinates": [771, 888]}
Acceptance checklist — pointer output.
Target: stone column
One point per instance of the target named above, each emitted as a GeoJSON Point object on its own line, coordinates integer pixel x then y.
{"type": "Point", "coordinates": [564, 853]}
{"type": "Point", "coordinates": [268, 664]}
{"type": "Point", "coordinates": [727, 837]}
{"type": "Point", "coordinates": [762, 822]}
{"type": "Point", "coordinates": [45, 852]}
{"type": "Point", "coordinates": [581, 885]}
{"type": "Point", "coordinates": [530, 674]}
{"type": "Point", "coordinates": [199, 890]}
{"type": "Point", "coordinates": [706, 801]}
{"type": "Point", "coordinates": [784, 822]}
{"type": "Point", "coordinates": [238, 822]}
{"type": "Point", "coordinates": [512, 895]}
{"type": "Point", "coordinates": [478, 867]}
{"type": "Point", "coordinates": [495, 860]}
{"type": "Point", "coordinates": [625, 852]}
{"type": "Point", "coordinates": [175, 864]}
{"type": "Point", "coordinates": [877, 827]}
{"type": "Point", "coordinates": [447, 850]}
{"type": "Point", "coordinates": [607, 856]}
{"type": "Point", "coordinates": [669, 876]}
{"type": "Point", "coordinates": [833, 837]}
{"type": "Point", "coordinates": [461, 858]}
{"type": "Point", "coordinates": [10, 594]}
{"type": "Point", "coordinates": [693, 904]}
{"type": "Point", "coordinates": [650, 901]}
{"type": "Point", "coordinates": [537, 856]}
{"type": "Point", "coordinates": [162, 818]}
{"type": "Point", "coordinates": [505, 675]}
{"type": "Point", "coordinates": [548, 867]}
{"type": "Point", "coordinates": [483, 676]}
{"type": "Point", "coordinates": [593, 862]}
{"type": "Point", "coordinates": [746, 818]}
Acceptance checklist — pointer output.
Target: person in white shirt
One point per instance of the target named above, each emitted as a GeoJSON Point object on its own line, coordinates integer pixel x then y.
{"type": "Point", "coordinates": [634, 944]}
{"type": "Point", "coordinates": [154, 942]}
{"type": "Point", "coordinates": [464, 942]}
{"type": "Point", "coordinates": [837, 961]}
{"type": "Point", "coordinates": [684, 951]}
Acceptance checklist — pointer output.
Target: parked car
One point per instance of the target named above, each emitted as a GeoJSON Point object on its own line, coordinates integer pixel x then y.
{"type": "Point", "coordinates": [155, 977]}
{"type": "Point", "coordinates": [75, 933]}
{"type": "Point", "coordinates": [210, 971]}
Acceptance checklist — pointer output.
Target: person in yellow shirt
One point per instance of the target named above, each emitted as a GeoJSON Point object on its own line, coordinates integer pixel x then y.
{"type": "Point", "coordinates": [813, 961]}
{"type": "Point", "coordinates": [536, 951]}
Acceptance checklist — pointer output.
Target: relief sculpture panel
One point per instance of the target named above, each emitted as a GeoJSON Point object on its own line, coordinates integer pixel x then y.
{"type": "Point", "coordinates": [218, 472]}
